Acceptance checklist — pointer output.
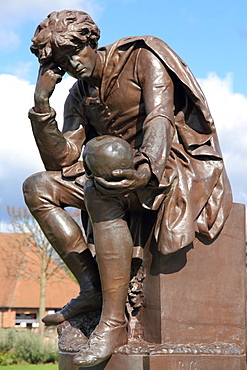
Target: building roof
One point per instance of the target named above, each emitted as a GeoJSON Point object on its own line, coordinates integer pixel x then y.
{"type": "Point", "coordinates": [19, 270]}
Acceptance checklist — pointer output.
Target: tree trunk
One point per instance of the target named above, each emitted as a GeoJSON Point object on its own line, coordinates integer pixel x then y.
{"type": "Point", "coordinates": [42, 299]}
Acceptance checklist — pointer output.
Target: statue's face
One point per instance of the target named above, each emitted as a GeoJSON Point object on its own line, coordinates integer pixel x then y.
{"type": "Point", "coordinates": [79, 63]}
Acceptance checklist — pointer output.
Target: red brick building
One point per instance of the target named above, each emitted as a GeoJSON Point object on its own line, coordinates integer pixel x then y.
{"type": "Point", "coordinates": [19, 292]}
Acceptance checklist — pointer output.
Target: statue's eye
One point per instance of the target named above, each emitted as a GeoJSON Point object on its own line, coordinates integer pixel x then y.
{"type": "Point", "coordinates": [78, 45]}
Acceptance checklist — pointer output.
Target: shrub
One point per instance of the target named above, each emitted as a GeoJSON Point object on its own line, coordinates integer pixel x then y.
{"type": "Point", "coordinates": [7, 358]}
{"type": "Point", "coordinates": [25, 346]}
{"type": "Point", "coordinates": [7, 339]}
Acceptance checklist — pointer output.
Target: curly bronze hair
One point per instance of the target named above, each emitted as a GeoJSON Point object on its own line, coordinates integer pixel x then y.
{"type": "Point", "coordinates": [65, 28]}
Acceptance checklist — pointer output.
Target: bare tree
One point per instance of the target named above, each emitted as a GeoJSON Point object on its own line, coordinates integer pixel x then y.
{"type": "Point", "coordinates": [33, 249]}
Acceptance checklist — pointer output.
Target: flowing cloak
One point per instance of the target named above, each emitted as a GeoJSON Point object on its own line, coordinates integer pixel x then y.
{"type": "Point", "coordinates": [194, 196]}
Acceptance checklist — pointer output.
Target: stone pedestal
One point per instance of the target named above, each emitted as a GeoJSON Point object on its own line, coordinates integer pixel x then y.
{"type": "Point", "coordinates": [194, 316]}
{"type": "Point", "coordinates": [160, 362]}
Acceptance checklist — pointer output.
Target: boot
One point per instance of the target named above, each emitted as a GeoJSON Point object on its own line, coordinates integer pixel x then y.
{"type": "Point", "coordinates": [85, 270]}
{"type": "Point", "coordinates": [114, 247]}
{"type": "Point", "coordinates": [42, 193]}
{"type": "Point", "coordinates": [101, 346]}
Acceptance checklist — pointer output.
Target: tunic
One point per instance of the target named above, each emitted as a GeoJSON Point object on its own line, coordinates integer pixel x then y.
{"type": "Point", "coordinates": [150, 98]}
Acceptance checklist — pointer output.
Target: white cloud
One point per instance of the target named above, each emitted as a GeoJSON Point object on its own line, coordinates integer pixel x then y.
{"type": "Point", "coordinates": [5, 227]}
{"type": "Point", "coordinates": [229, 110]}
{"type": "Point", "coordinates": [20, 69]}
{"type": "Point", "coordinates": [19, 156]}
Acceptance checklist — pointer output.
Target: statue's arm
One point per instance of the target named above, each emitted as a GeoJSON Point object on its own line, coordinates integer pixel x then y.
{"type": "Point", "coordinates": [158, 95]}
{"type": "Point", "coordinates": [57, 150]}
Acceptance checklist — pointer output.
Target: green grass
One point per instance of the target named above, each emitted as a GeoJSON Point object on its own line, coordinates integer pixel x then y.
{"type": "Point", "coordinates": [31, 367]}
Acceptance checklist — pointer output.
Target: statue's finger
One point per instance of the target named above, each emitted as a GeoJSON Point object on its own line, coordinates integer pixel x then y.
{"type": "Point", "coordinates": [128, 173]}
{"type": "Point", "coordinates": [125, 183]}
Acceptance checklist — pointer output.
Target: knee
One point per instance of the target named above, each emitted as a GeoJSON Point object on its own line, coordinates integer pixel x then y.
{"type": "Point", "coordinates": [101, 207]}
{"type": "Point", "coordinates": [32, 189]}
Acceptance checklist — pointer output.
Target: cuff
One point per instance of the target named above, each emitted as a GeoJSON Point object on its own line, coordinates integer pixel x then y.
{"type": "Point", "coordinates": [139, 159]}
{"type": "Point", "coordinates": [41, 117]}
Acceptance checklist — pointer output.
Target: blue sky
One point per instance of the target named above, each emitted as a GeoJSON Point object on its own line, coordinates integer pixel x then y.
{"type": "Point", "coordinates": [208, 35]}
{"type": "Point", "coordinates": [211, 37]}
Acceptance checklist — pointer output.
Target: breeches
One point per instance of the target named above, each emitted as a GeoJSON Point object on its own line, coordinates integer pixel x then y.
{"type": "Point", "coordinates": [49, 189]}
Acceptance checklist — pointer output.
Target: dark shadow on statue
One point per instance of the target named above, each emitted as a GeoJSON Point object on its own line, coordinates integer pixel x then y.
{"type": "Point", "coordinates": [167, 264]}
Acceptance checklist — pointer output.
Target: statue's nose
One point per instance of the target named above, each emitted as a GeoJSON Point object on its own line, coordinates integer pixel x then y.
{"type": "Point", "coordinates": [74, 63]}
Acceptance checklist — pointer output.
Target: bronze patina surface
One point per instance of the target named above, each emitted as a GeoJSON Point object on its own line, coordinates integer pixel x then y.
{"type": "Point", "coordinates": [176, 189]}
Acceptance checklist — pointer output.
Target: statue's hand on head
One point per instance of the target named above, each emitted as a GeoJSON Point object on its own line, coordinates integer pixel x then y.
{"type": "Point", "coordinates": [49, 75]}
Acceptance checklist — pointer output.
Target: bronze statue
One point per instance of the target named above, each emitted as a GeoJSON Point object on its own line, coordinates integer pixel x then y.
{"type": "Point", "coordinates": [139, 90]}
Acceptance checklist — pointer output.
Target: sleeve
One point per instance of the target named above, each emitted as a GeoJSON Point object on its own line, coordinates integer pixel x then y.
{"type": "Point", "coordinates": [158, 96]}
{"type": "Point", "coordinates": [57, 149]}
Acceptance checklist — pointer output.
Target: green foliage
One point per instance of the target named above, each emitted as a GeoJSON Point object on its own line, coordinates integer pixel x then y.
{"type": "Point", "coordinates": [24, 346]}
{"type": "Point", "coordinates": [31, 367]}
{"type": "Point", "coordinates": [7, 358]}
{"type": "Point", "coordinates": [7, 338]}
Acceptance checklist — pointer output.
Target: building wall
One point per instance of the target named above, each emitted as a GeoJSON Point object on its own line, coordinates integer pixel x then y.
{"type": "Point", "coordinates": [7, 318]}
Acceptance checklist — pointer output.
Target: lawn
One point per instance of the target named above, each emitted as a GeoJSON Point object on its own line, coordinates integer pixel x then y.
{"type": "Point", "coordinates": [31, 367]}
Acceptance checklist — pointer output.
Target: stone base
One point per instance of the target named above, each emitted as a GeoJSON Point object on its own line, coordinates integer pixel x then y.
{"type": "Point", "coordinates": [197, 295]}
{"type": "Point", "coordinates": [194, 314]}
{"type": "Point", "coordinates": [140, 355]}
{"type": "Point", "coordinates": [160, 362]}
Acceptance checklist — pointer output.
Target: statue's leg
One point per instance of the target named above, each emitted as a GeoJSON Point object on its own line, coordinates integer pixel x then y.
{"type": "Point", "coordinates": [114, 247]}
{"type": "Point", "coordinates": [46, 195]}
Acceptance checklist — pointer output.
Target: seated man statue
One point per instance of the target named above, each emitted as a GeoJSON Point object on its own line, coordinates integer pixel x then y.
{"type": "Point", "coordinates": [139, 90]}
